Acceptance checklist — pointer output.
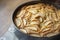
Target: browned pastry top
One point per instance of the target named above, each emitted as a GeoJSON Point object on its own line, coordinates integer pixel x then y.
{"type": "Point", "coordinates": [39, 20]}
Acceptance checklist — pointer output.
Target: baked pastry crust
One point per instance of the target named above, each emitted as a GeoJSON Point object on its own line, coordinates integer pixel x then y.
{"type": "Point", "coordinates": [39, 20]}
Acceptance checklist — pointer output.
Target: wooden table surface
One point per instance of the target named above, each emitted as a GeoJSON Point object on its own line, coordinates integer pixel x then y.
{"type": "Point", "coordinates": [7, 8]}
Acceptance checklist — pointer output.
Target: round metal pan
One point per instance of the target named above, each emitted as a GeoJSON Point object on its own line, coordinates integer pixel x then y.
{"type": "Point", "coordinates": [56, 37]}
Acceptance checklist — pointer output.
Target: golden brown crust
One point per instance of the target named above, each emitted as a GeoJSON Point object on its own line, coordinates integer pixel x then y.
{"type": "Point", "coordinates": [39, 19]}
